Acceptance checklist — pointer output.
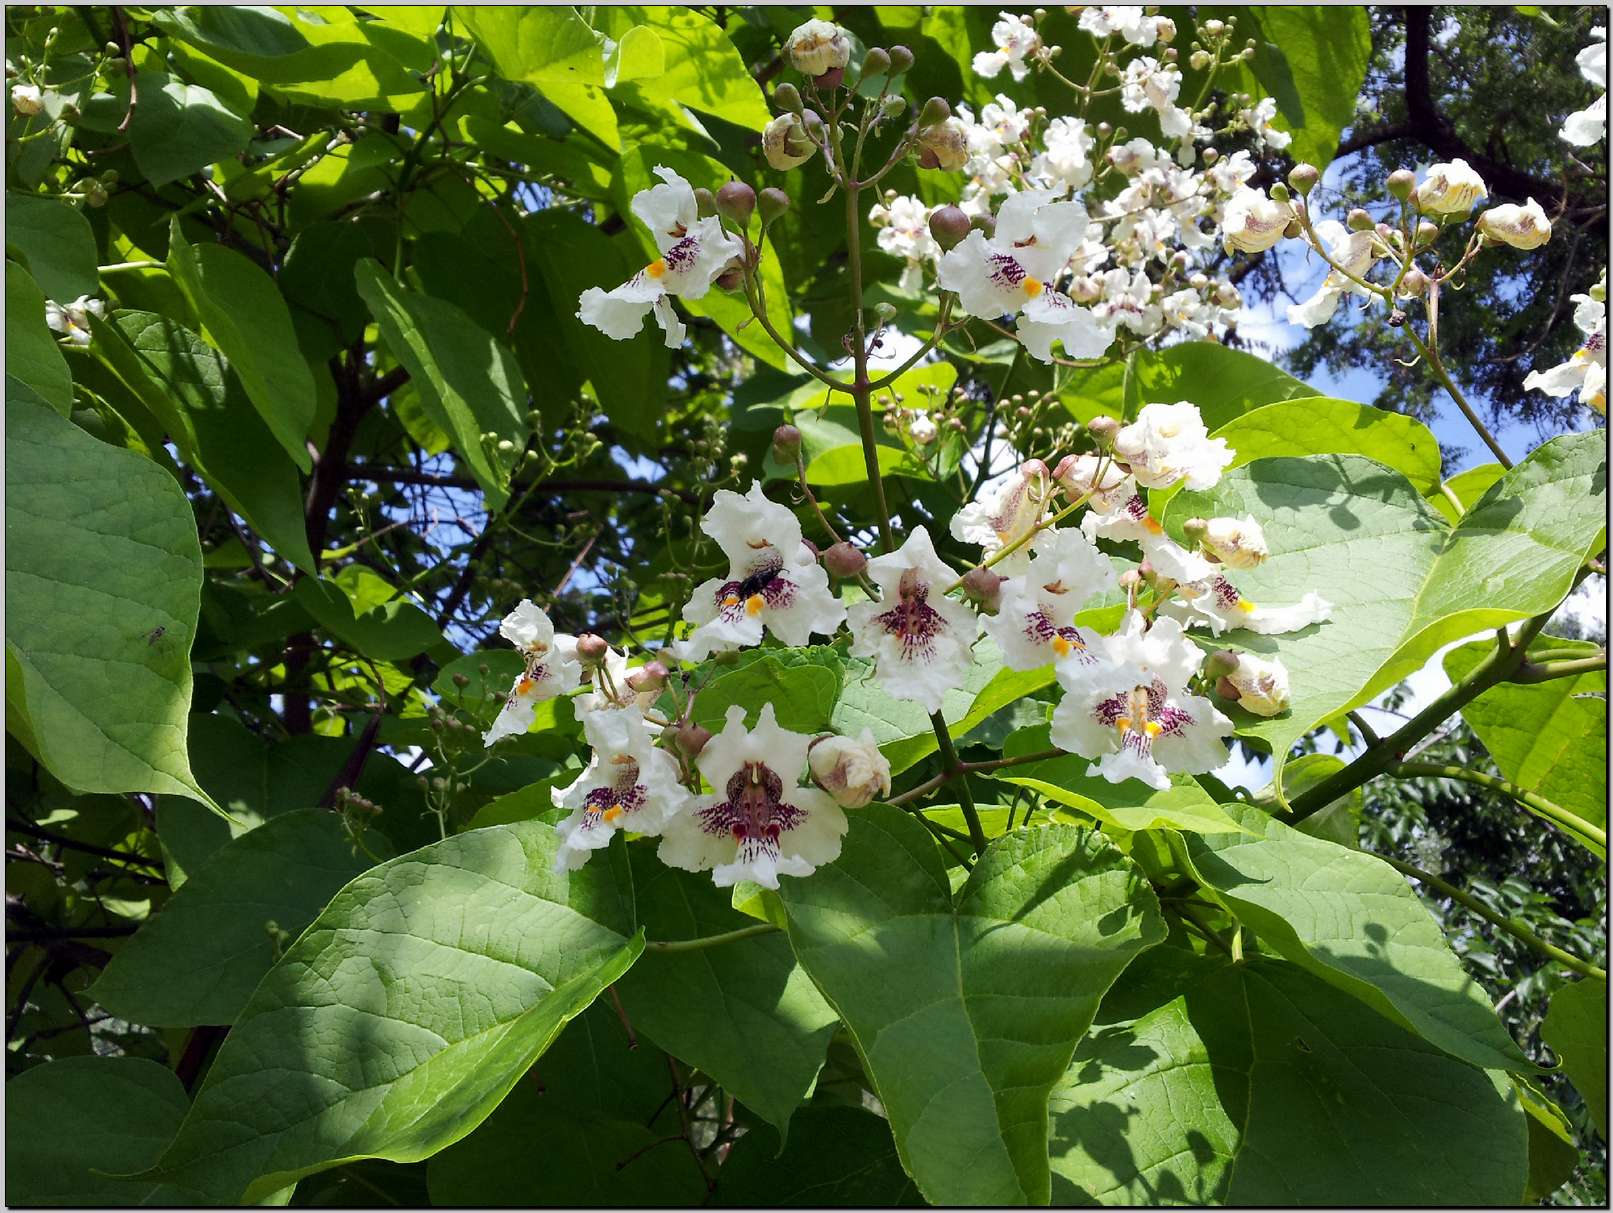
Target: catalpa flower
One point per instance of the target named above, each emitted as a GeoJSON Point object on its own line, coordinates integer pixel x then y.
{"type": "Point", "coordinates": [1006, 515]}
{"type": "Point", "coordinates": [1168, 443]}
{"type": "Point", "coordinates": [27, 99]}
{"type": "Point", "coordinates": [1258, 119]}
{"type": "Point", "coordinates": [609, 687]}
{"type": "Point", "coordinates": [1130, 21]}
{"type": "Point", "coordinates": [627, 785]}
{"type": "Point", "coordinates": [1587, 126]}
{"type": "Point", "coordinates": [694, 251]}
{"type": "Point", "coordinates": [1131, 521]}
{"type": "Point", "coordinates": [1148, 84]}
{"type": "Point", "coordinates": [1016, 40]}
{"type": "Point", "coordinates": [1035, 621]}
{"type": "Point", "coordinates": [1450, 189]}
{"type": "Point", "coordinates": [1520, 227]}
{"type": "Point", "coordinates": [1097, 479]}
{"type": "Point", "coordinates": [920, 639]}
{"type": "Point", "coordinates": [759, 823]}
{"type": "Point", "coordinates": [1585, 372]}
{"type": "Point", "coordinates": [1258, 686]}
{"type": "Point", "coordinates": [72, 320]}
{"type": "Point", "coordinates": [1352, 251]}
{"type": "Point", "coordinates": [904, 231]}
{"type": "Point", "coordinates": [1010, 273]}
{"type": "Point", "coordinates": [774, 581]}
{"type": "Point", "coordinates": [1217, 602]}
{"type": "Point", "coordinates": [1065, 159]}
{"type": "Point", "coordinates": [1134, 713]}
{"type": "Point", "coordinates": [1252, 222]}
{"type": "Point", "coordinates": [551, 668]}
{"type": "Point", "coordinates": [851, 771]}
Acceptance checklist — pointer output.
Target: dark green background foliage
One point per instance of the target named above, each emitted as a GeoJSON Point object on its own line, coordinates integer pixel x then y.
{"type": "Point", "coordinates": [339, 416]}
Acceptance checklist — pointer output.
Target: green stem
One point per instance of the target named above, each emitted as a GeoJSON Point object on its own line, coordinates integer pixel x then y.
{"type": "Point", "coordinates": [1379, 757]}
{"type": "Point", "coordinates": [951, 766]}
{"type": "Point", "coordinates": [1545, 671]}
{"type": "Point", "coordinates": [1455, 393]}
{"type": "Point", "coordinates": [860, 389]}
{"type": "Point", "coordinates": [1511, 926]}
{"type": "Point", "coordinates": [709, 941]}
{"type": "Point", "coordinates": [1533, 801]}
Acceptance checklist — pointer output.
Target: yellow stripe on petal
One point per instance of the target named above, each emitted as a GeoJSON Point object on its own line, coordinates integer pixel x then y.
{"type": "Point", "coordinates": [754, 604]}
{"type": "Point", "coordinates": [1032, 287]}
{"type": "Point", "coordinates": [656, 268]}
{"type": "Point", "coordinates": [1247, 607]}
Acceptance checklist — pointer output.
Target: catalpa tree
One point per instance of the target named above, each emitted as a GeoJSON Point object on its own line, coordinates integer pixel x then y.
{"type": "Point", "coordinates": [648, 605]}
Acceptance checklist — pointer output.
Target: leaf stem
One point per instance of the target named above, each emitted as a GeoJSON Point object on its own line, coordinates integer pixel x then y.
{"type": "Point", "coordinates": [709, 941]}
{"type": "Point", "coordinates": [1533, 801]}
{"type": "Point", "coordinates": [1545, 671]}
{"type": "Point", "coordinates": [1510, 925]}
{"type": "Point", "coordinates": [951, 766]}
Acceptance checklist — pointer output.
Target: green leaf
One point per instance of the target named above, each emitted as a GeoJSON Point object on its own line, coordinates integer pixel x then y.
{"type": "Point", "coordinates": [1402, 583]}
{"type": "Point", "coordinates": [1549, 737]}
{"type": "Point", "coordinates": [803, 685]}
{"type": "Point", "coordinates": [835, 1156]}
{"type": "Point", "coordinates": [1206, 1082]}
{"type": "Point", "coordinates": [701, 68]}
{"type": "Point", "coordinates": [57, 244]}
{"type": "Point", "coordinates": [1340, 820]}
{"type": "Point", "coordinates": [1576, 1030]}
{"type": "Point", "coordinates": [1313, 61]}
{"type": "Point", "coordinates": [103, 585]}
{"type": "Point", "coordinates": [1352, 920]}
{"type": "Point", "coordinates": [1552, 1153]}
{"type": "Point", "coordinates": [198, 960]}
{"type": "Point", "coordinates": [406, 1012]}
{"type": "Point", "coordinates": [596, 1105]}
{"type": "Point", "coordinates": [1467, 487]}
{"type": "Point", "coordinates": [554, 49]}
{"type": "Point", "coordinates": [190, 389]}
{"type": "Point", "coordinates": [389, 631]}
{"type": "Point", "coordinates": [468, 382]}
{"type": "Point", "coordinates": [78, 1122]}
{"type": "Point", "coordinates": [1321, 425]}
{"type": "Point", "coordinates": [35, 368]}
{"type": "Point", "coordinates": [743, 1012]}
{"type": "Point", "coordinates": [966, 1011]}
{"type": "Point", "coordinates": [244, 316]}
{"type": "Point", "coordinates": [180, 128]}
{"type": "Point", "coordinates": [1223, 383]}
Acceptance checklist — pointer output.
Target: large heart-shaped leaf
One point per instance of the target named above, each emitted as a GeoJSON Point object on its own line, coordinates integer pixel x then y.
{"type": "Point", "coordinates": [1322, 425]}
{"type": "Point", "coordinates": [1576, 1030]}
{"type": "Point", "coordinates": [35, 368]}
{"type": "Point", "coordinates": [1353, 921]}
{"type": "Point", "coordinates": [966, 1010]}
{"type": "Point", "coordinates": [1206, 1082]}
{"type": "Point", "coordinates": [103, 586]}
{"type": "Point", "coordinates": [406, 1012]}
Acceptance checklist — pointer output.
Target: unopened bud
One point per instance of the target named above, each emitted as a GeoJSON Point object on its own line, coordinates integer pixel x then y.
{"type": "Point", "coordinates": [1303, 178]}
{"type": "Point", "coordinates": [1195, 529]}
{"type": "Point", "coordinates": [948, 226]}
{"type": "Point", "coordinates": [843, 560]}
{"type": "Point", "coordinates": [935, 110]}
{"type": "Point", "coordinates": [901, 59]}
{"type": "Point", "coordinates": [876, 63]}
{"type": "Point", "coordinates": [788, 98]}
{"type": "Point", "coordinates": [1414, 283]}
{"type": "Point", "coordinates": [830, 80]}
{"type": "Point", "coordinates": [986, 225]}
{"type": "Point", "coordinates": [731, 279]}
{"type": "Point", "coordinates": [461, 681]}
{"type": "Point", "coordinates": [1220, 663]}
{"type": "Point", "coordinates": [1279, 192]}
{"type": "Point", "coordinates": [772, 203]}
{"type": "Point", "coordinates": [1214, 29]}
{"type": "Point", "coordinates": [1103, 430]}
{"type": "Point", "coordinates": [736, 201]}
{"type": "Point", "coordinates": [1427, 233]}
{"type": "Point", "coordinates": [786, 444]}
{"type": "Point", "coordinates": [692, 738]}
{"type": "Point", "coordinates": [591, 648]}
{"type": "Point", "coordinates": [648, 677]}
{"type": "Point", "coordinates": [984, 588]}
{"type": "Point", "coordinates": [1359, 221]}
{"type": "Point", "coordinates": [705, 202]}
{"type": "Point", "coordinates": [1293, 229]}
{"type": "Point", "coordinates": [1401, 183]}
{"type": "Point", "coordinates": [1199, 60]}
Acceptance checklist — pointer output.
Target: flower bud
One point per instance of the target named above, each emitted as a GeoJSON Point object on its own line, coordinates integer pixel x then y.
{"type": "Point", "coordinates": [1103, 430]}
{"type": "Point", "coordinates": [877, 62]}
{"type": "Point", "coordinates": [901, 59]}
{"type": "Point", "coordinates": [786, 444]}
{"type": "Point", "coordinates": [986, 225]}
{"type": "Point", "coordinates": [935, 110]}
{"type": "Point", "coordinates": [1303, 178]}
{"type": "Point", "coordinates": [1359, 221]}
{"type": "Point", "coordinates": [1401, 183]}
{"type": "Point", "coordinates": [852, 772]}
{"type": "Point", "coordinates": [843, 560]}
{"type": "Point", "coordinates": [736, 201]}
{"type": "Point", "coordinates": [922, 429]}
{"type": "Point", "coordinates": [947, 144]}
{"type": "Point", "coordinates": [983, 588]}
{"type": "Point", "coordinates": [772, 202]}
{"type": "Point", "coordinates": [1427, 233]}
{"type": "Point", "coordinates": [1219, 664]}
{"type": "Point", "coordinates": [1199, 60]}
{"type": "Point", "coordinates": [649, 677]}
{"type": "Point", "coordinates": [705, 202]}
{"type": "Point", "coordinates": [27, 99]}
{"type": "Point", "coordinates": [1214, 29]}
{"type": "Point", "coordinates": [732, 278]}
{"type": "Point", "coordinates": [1520, 227]}
{"type": "Point", "coordinates": [1257, 685]}
{"type": "Point", "coordinates": [817, 47]}
{"type": "Point", "coordinates": [1450, 189]}
{"type": "Point", "coordinates": [788, 98]}
{"type": "Point", "coordinates": [785, 143]}
{"type": "Point", "coordinates": [591, 648]}
{"type": "Point", "coordinates": [1279, 192]}
{"type": "Point", "coordinates": [1414, 283]}
{"type": "Point", "coordinates": [692, 738]}
{"type": "Point", "coordinates": [1195, 529]}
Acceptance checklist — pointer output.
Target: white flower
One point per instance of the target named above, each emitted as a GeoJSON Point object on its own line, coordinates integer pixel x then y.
{"type": "Point", "coordinates": [1252, 222]}
{"type": "Point", "coordinates": [1035, 621]}
{"type": "Point", "coordinates": [921, 640]}
{"type": "Point", "coordinates": [1128, 299]}
{"type": "Point", "coordinates": [785, 142]}
{"type": "Point", "coordinates": [1053, 316]}
{"type": "Point", "coordinates": [758, 824]}
{"type": "Point", "coordinates": [904, 231]}
{"type": "Point", "coordinates": [1131, 521]}
{"type": "Point", "coordinates": [922, 429]}
{"type": "Point", "coordinates": [1230, 172]}
{"type": "Point", "coordinates": [774, 581]}
{"type": "Point", "coordinates": [1238, 543]}
{"type": "Point", "coordinates": [628, 784]}
{"type": "Point", "coordinates": [694, 251]}
{"type": "Point", "coordinates": [1262, 685]}
{"type": "Point", "coordinates": [1352, 251]}
{"type": "Point", "coordinates": [27, 100]}
{"type": "Point", "coordinates": [1148, 84]}
{"type": "Point", "coordinates": [1130, 21]}
{"type": "Point", "coordinates": [1097, 478]}
{"type": "Point", "coordinates": [1188, 312]}
{"type": "Point", "coordinates": [609, 689]}
{"type": "Point", "coordinates": [1450, 189]}
{"type": "Point", "coordinates": [815, 47]}
{"type": "Point", "coordinates": [1217, 602]}
{"type": "Point", "coordinates": [1169, 443]}
{"type": "Point", "coordinates": [551, 668]}
{"type": "Point", "coordinates": [1134, 713]}
{"type": "Point", "coordinates": [1258, 120]}
{"type": "Point", "coordinates": [72, 320]}
{"type": "Point", "coordinates": [1007, 515]}
{"type": "Point", "coordinates": [1134, 156]}
{"type": "Point", "coordinates": [1016, 40]}
{"type": "Point", "coordinates": [1064, 159]}
{"type": "Point", "coordinates": [1585, 372]}
{"type": "Point", "coordinates": [1521, 227]}
{"type": "Point", "coordinates": [851, 771]}
{"type": "Point", "coordinates": [1589, 125]}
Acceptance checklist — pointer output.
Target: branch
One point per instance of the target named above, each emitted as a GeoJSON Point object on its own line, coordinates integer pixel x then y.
{"type": "Point", "coordinates": [1545, 671]}
{"type": "Point", "coordinates": [709, 941]}
{"type": "Point", "coordinates": [72, 844]}
{"type": "Point", "coordinates": [1533, 801]}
